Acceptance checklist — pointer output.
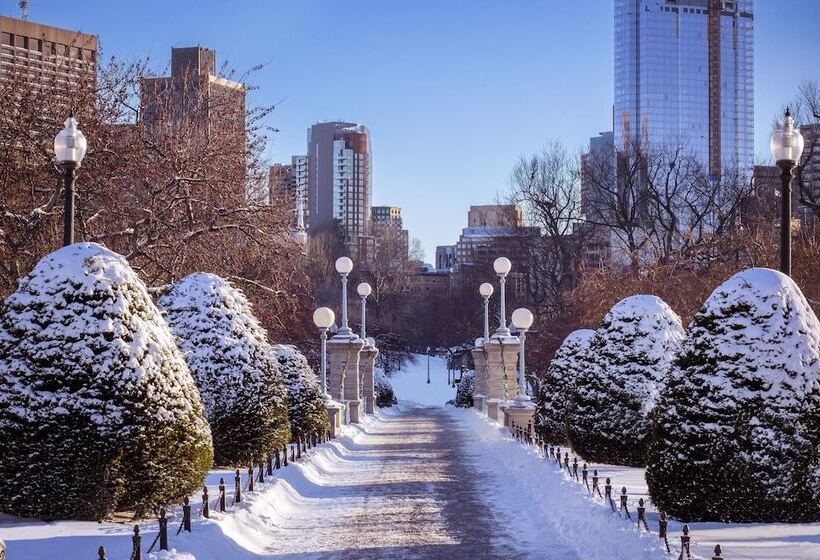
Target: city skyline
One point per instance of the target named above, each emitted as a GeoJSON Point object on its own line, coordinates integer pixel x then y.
{"type": "Point", "coordinates": [434, 92]}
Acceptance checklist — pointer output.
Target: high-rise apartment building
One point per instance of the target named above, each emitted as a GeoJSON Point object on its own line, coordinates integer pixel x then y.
{"type": "Point", "coordinates": [387, 230]}
{"type": "Point", "coordinates": [45, 54]}
{"type": "Point", "coordinates": [684, 75]}
{"type": "Point", "coordinates": [339, 185]}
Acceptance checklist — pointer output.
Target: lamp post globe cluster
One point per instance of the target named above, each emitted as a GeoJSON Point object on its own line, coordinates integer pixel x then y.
{"type": "Point", "coordinates": [344, 266]}
{"type": "Point", "coordinates": [486, 290]}
{"type": "Point", "coordinates": [323, 318]}
{"type": "Point", "coordinates": [70, 146]}
{"type": "Point", "coordinates": [522, 320]}
{"type": "Point", "coordinates": [787, 147]}
{"type": "Point", "coordinates": [502, 267]}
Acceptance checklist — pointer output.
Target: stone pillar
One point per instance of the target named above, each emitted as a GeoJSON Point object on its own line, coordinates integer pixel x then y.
{"type": "Point", "coordinates": [518, 414]}
{"type": "Point", "coordinates": [501, 354]}
{"type": "Point", "coordinates": [482, 384]}
{"type": "Point", "coordinates": [343, 373]}
{"type": "Point", "coordinates": [367, 362]}
{"type": "Point", "coordinates": [335, 412]}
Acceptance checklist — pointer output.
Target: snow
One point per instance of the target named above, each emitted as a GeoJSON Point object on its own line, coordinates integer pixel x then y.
{"type": "Point", "coordinates": [410, 384]}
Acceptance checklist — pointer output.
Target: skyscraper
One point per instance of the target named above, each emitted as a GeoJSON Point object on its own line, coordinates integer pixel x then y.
{"type": "Point", "coordinates": [339, 179]}
{"type": "Point", "coordinates": [684, 75]}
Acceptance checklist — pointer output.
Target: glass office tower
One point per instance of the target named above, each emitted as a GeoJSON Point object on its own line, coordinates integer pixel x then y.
{"type": "Point", "coordinates": [684, 75]}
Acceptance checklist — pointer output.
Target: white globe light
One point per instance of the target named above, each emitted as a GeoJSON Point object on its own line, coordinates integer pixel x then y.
{"type": "Point", "coordinates": [70, 144]}
{"type": "Point", "coordinates": [364, 289]}
{"type": "Point", "coordinates": [787, 142]}
{"type": "Point", "coordinates": [502, 265]}
{"type": "Point", "coordinates": [486, 289]}
{"type": "Point", "coordinates": [344, 265]}
{"type": "Point", "coordinates": [323, 317]}
{"type": "Point", "coordinates": [522, 319]}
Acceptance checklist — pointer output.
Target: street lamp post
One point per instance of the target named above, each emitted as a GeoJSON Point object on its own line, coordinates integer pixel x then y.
{"type": "Point", "coordinates": [787, 147]}
{"type": "Point", "coordinates": [344, 266]}
{"type": "Point", "coordinates": [486, 290]}
{"type": "Point", "coordinates": [69, 147]}
{"type": "Point", "coordinates": [364, 290]}
{"type": "Point", "coordinates": [428, 364]}
{"type": "Point", "coordinates": [323, 318]}
{"type": "Point", "coordinates": [522, 320]}
{"type": "Point", "coordinates": [502, 267]}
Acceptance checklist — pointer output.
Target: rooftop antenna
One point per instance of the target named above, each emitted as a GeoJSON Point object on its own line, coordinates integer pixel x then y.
{"type": "Point", "coordinates": [23, 9]}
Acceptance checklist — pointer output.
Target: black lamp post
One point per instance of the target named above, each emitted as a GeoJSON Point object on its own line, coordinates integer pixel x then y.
{"type": "Point", "coordinates": [428, 364]}
{"type": "Point", "coordinates": [69, 147]}
{"type": "Point", "coordinates": [787, 147]}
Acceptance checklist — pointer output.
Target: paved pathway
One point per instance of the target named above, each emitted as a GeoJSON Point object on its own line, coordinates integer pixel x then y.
{"type": "Point", "coordinates": [405, 490]}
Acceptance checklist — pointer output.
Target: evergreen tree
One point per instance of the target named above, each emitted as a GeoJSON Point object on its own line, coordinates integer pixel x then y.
{"type": "Point", "coordinates": [384, 390]}
{"type": "Point", "coordinates": [630, 355]}
{"type": "Point", "coordinates": [306, 402]}
{"type": "Point", "coordinates": [737, 429]}
{"type": "Point", "coordinates": [557, 389]}
{"type": "Point", "coordinates": [98, 411]}
{"type": "Point", "coordinates": [465, 389]}
{"type": "Point", "coordinates": [233, 365]}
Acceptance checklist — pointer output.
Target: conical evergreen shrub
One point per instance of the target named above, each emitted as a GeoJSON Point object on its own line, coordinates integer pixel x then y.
{"type": "Point", "coordinates": [630, 355]}
{"type": "Point", "coordinates": [465, 389]}
{"type": "Point", "coordinates": [98, 411]}
{"type": "Point", "coordinates": [233, 365]}
{"type": "Point", "coordinates": [557, 389]}
{"type": "Point", "coordinates": [306, 402]}
{"type": "Point", "coordinates": [737, 429]}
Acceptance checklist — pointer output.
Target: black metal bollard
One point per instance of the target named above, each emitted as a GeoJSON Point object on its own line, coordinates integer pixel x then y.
{"type": "Point", "coordinates": [250, 478]}
{"type": "Point", "coordinates": [237, 491]}
{"type": "Point", "coordinates": [206, 507]}
{"type": "Point", "coordinates": [642, 515]}
{"type": "Point", "coordinates": [595, 486]}
{"type": "Point", "coordinates": [566, 461]}
{"type": "Point", "coordinates": [662, 530]}
{"type": "Point", "coordinates": [718, 553]}
{"type": "Point", "coordinates": [285, 454]}
{"type": "Point", "coordinates": [101, 553]}
{"type": "Point", "coordinates": [261, 472]}
{"type": "Point", "coordinates": [685, 541]}
{"type": "Point", "coordinates": [608, 493]}
{"type": "Point", "coordinates": [163, 530]}
{"type": "Point", "coordinates": [585, 476]}
{"type": "Point", "coordinates": [186, 514]}
{"type": "Point", "coordinates": [136, 543]}
{"type": "Point", "coordinates": [270, 465]}
{"type": "Point", "coordinates": [575, 468]}
{"type": "Point", "coordinates": [529, 432]}
{"type": "Point", "coordinates": [222, 500]}
{"type": "Point", "coordinates": [277, 461]}
{"type": "Point", "coordinates": [624, 507]}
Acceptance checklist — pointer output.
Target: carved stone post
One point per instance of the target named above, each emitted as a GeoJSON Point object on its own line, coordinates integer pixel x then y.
{"type": "Point", "coordinates": [367, 362]}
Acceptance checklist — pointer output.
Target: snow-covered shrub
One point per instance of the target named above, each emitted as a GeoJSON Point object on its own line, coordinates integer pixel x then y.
{"type": "Point", "coordinates": [306, 402]}
{"type": "Point", "coordinates": [557, 389]}
{"type": "Point", "coordinates": [98, 411]}
{"type": "Point", "coordinates": [384, 390]}
{"type": "Point", "coordinates": [465, 389]}
{"type": "Point", "coordinates": [737, 429]}
{"type": "Point", "coordinates": [233, 365]}
{"type": "Point", "coordinates": [629, 357]}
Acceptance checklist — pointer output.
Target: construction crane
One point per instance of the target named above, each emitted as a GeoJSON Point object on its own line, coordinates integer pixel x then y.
{"type": "Point", "coordinates": [23, 9]}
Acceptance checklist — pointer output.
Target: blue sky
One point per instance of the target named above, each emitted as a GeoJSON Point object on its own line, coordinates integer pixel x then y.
{"type": "Point", "coordinates": [453, 92]}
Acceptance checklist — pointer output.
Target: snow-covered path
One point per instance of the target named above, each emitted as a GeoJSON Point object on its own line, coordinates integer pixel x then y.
{"type": "Point", "coordinates": [406, 489]}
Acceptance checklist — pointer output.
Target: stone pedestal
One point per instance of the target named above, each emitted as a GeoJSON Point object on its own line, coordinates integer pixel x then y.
{"type": "Point", "coordinates": [343, 373]}
{"type": "Point", "coordinates": [335, 412]}
{"type": "Point", "coordinates": [492, 407]}
{"type": "Point", "coordinates": [519, 414]}
{"type": "Point", "coordinates": [367, 363]}
{"type": "Point", "coordinates": [481, 380]}
{"type": "Point", "coordinates": [502, 365]}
